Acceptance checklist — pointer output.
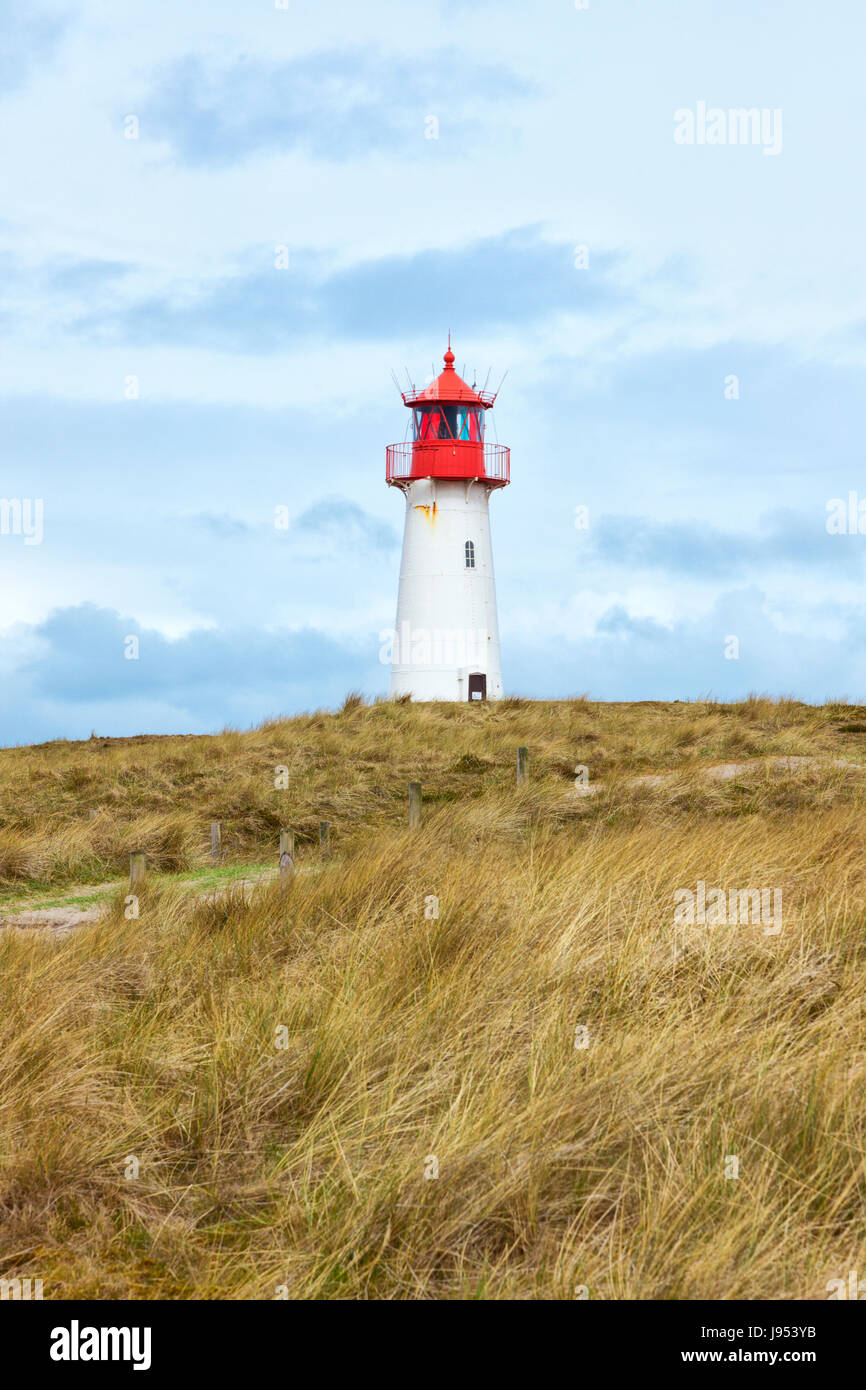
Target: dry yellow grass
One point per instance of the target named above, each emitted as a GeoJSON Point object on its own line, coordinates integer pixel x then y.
{"type": "Point", "coordinates": [407, 1038]}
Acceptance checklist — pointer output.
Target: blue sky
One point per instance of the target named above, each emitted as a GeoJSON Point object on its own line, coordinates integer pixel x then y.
{"type": "Point", "coordinates": [258, 387]}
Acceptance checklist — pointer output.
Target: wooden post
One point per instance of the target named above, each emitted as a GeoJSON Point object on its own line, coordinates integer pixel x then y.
{"type": "Point", "coordinates": [522, 765]}
{"type": "Point", "coordinates": [414, 805]}
{"type": "Point", "coordinates": [287, 857]}
{"type": "Point", "coordinates": [324, 836]}
{"type": "Point", "coordinates": [137, 868]}
{"type": "Point", "coordinates": [216, 839]}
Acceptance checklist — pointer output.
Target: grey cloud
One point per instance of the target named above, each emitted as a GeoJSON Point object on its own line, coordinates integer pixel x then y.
{"type": "Point", "coordinates": [336, 518]}
{"type": "Point", "coordinates": [73, 676]}
{"type": "Point", "coordinates": [336, 105]}
{"type": "Point", "coordinates": [83, 277]}
{"type": "Point", "coordinates": [785, 539]}
{"type": "Point", "coordinates": [513, 279]}
{"type": "Point", "coordinates": [635, 658]}
{"type": "Point", "coordinates": [26, 40]}
{"type": "Point", "coordinates": [221, 525]}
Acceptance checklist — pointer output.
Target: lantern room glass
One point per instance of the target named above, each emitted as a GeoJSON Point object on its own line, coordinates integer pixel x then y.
{"type": "Point", "coordinates": [435, 421]}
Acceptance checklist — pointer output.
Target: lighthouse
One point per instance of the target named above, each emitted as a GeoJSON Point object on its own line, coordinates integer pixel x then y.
{"type": "Point", "coordinates": [446, 640]}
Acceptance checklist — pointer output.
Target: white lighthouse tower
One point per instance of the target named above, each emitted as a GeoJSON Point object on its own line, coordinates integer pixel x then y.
{"type": "Point", "coordinates": [446, 644]}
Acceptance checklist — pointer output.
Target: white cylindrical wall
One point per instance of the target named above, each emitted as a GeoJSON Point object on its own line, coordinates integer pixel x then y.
{"type": "Point", "coordinates": [447, 627]}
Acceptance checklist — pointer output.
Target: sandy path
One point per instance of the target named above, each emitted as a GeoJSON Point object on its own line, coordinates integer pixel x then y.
{"type": "Point", "coordinates": [726, 772]}
{"type": "Point", "coordinates": [60, 920]}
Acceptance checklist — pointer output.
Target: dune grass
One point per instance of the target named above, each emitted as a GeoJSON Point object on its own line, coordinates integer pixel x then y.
{"type": "Point", "coordinates": [334, 1092]}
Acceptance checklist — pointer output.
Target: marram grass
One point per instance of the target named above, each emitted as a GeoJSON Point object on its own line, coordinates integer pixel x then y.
{"type": "Point", "coordinates": [246, 1095]}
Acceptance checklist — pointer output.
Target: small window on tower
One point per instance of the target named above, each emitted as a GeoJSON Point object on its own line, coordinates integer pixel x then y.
{"type": "Point", "coordinates": [470, 555]}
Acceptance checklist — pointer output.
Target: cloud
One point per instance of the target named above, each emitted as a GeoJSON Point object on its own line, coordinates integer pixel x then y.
{"type": "Point", "coordinates": [516, 278]}
{"type": "Point", "coordinates": [636, 658]}
{"type": "Point", "coordinates": [26, 40]}
{"type": "Point", "coordinates": [510, 280]}
{"type": "Point", "coordinates": [335, 105]}
{"type": "Point", "coordinates": [71, 675]}
{"type": "Point", "coordinates": [60, 293]}
{"type": "Point", "coordinates": [333, 523]}
{"type": "Point", "coordinates": [221, 525]}
{"type": "Point", "coordinates": [87, 660]}
{"type": "Point", "coordinates": [83, 277]}
{"type": "Point", "coordinates": [785, 540]}
{"type": "Point", "coordinates": [347, 523]}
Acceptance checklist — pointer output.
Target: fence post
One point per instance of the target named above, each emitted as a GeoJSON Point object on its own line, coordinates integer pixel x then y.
{"type": "Point", "coordinates": [137, 868]}
{"type": "Point", "coordinates": [324, 836]}
{"type": "Point", "coordinates": [287, 857]}
{"type": "Point", "coordinates": [522, 765]}
{"type": "Point", "coordinates": [414, 805]}
{"type": "Point", "coordinates": [216, 839]}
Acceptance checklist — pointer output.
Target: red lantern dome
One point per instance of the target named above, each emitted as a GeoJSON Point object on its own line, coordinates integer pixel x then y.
{"type": "Point", "coordinates": [448, 434]}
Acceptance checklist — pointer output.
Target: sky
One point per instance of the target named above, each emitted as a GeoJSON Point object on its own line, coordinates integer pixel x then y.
{"type": "Point", "coordinates": [222, 226]}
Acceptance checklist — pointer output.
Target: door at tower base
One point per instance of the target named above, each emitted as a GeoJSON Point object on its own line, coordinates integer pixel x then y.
{"type": "Point", "coordinates": [477, 686]}
{"type": "Point", "coordinates": [446, 640]}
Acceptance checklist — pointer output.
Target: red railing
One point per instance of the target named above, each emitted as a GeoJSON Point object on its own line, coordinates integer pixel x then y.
{"type": "Point", "coordinates": [425, 394]}
{"type": "Point", "coordinates": [448, 460]}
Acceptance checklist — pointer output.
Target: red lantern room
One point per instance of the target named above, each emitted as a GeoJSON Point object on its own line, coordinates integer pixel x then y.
{"type": "Point", "coordinates": [448, 434]}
